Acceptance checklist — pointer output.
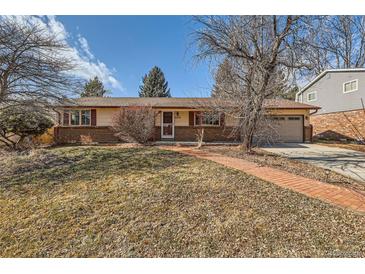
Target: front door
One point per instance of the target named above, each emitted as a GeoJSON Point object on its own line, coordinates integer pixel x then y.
{"type": "Point", "coordinates": [167, 127]}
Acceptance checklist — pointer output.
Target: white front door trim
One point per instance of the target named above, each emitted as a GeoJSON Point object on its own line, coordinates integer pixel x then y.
{"type": "Point", "coordinates": [172, 124]}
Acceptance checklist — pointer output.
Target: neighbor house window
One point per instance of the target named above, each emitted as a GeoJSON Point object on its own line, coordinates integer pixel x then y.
{"type": "Point", "coordinates": [312, 96]}
{"type": "Point", "coordinates": [207, 119]}
{"type": "Point", "coordinates": [77, 117]}
{"type": "Point", "coordinates": [350, 86]}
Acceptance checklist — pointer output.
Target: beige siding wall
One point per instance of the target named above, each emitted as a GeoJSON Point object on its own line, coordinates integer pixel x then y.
{"type": "Point", "coordinates": [182, 119]}
{"type": "Point", "coordinates": [229, 121]}
{"type": "Point", "coordinates": [104, 116]}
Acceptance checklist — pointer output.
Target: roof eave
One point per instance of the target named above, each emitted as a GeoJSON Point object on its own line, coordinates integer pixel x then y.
{"type": "Point", "coordinates": [323, 73]}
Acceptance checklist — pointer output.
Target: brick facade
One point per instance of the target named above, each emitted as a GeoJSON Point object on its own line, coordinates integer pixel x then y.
{"type": "Point", "coordinates": [348, 125]}
{"type": "Point", "coordinates": [84, 135]}
{"type": "Point", "coordinates": [308, 133]}
{"type": "Point", "coordinates": [188, 134]}
{"type": "Point", "coordinates": [65, 135]}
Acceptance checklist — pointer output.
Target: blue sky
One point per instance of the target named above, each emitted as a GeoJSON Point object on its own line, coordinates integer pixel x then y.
{"type": "Point", "coordinates": [124, 48]}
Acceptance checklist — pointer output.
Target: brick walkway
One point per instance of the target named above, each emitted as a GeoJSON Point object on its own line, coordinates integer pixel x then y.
{"type": "Point", "coordinates": [336, 195]}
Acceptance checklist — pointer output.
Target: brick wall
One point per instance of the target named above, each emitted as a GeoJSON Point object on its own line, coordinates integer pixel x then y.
{"type": "Point", "coordinates": [84, 135]}
{"type": "Point", "coordinates": [348, 125]}
{"type": "Point", "coordinates": [308, 133]}
{"type": "Point", "coordinates": [211, 134]}
{"type": "Point", "coordinates": [106, 135]}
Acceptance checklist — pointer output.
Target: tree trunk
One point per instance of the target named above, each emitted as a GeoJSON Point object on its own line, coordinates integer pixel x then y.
{"type": "Point", "coordinates": [247, 141]}
{"type": "Point", "coordinates": [200, 137]}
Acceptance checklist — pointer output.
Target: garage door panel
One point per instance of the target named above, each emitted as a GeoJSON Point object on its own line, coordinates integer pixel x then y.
{"type": "Point", "coordinates": [285, 129]}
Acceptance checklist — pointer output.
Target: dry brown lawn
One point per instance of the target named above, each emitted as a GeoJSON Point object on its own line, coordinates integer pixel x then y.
{"type": "Point", "coordinates": [146, 202]}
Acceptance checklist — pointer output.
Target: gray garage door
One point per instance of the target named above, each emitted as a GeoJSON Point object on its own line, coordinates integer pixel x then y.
{"type": "Point", "coordinates": [288, 128]}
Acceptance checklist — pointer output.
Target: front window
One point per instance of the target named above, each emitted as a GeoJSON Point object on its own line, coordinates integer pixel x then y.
{"type": "Point", "coordinates": [85, 117]}
{"type": "Point", "coordinates": [77, 117]}
{"type": "Point", "coordinates": [350, 86]}
{"type": "Point", "coordinates": [207, 119]}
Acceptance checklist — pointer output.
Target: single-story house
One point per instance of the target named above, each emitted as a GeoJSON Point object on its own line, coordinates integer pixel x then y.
{"type": "Point", "coordinates": [91, 118]}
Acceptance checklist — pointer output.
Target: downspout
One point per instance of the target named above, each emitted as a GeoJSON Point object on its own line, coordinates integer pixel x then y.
{"type": "Point", "coordinates": [314, 112]}
{"type": "Point", "coordinates": [311, 126]}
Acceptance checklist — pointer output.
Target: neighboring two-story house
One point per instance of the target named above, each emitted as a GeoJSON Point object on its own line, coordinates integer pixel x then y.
{"type": "Point", "coordinates": [340, 94]}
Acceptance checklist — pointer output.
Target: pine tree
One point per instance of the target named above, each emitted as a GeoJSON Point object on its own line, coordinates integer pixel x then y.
{"type": "Point", "coordinates": [224, 80]}
{"type": "Point", "coordinates": [94, 88]}
{"type": "Point", "coordinates": [154, 84]}
{"type": "Point", "coordinates": [290, 93]}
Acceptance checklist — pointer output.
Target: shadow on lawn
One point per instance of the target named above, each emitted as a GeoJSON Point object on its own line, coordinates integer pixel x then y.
{"type": "Point", "coordinates": [88, 164]}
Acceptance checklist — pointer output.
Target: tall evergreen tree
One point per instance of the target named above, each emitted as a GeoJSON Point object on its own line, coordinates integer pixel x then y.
{"type": "Point", "coordinates": [154, 84]}
{"type": "Point", "coordinates": [223, 77]}
{"type": "Point", "coordinates": [289, 93]}
{"type": "Point", "coordinates": [94, 88]}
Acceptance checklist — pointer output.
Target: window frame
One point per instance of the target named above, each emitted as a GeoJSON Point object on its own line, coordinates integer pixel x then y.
{"type": "Point", "coordinates": [315, 97]}
{"type": "Point", "coordinates": [80, 117]}
{"type": "Point", "coordinates": [348, 82]}
{"type": "Point", "coordinates": [81, 124]}
{"type": "Point", "coordinates": [207, 125]}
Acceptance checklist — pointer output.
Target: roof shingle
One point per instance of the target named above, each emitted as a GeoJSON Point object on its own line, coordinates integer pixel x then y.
{"type": "Point", "coordinates": [174, 102]}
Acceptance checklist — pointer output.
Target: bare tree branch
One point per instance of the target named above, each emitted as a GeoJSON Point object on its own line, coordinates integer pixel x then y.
{"type": "Point", "coordinates": [34, 67]}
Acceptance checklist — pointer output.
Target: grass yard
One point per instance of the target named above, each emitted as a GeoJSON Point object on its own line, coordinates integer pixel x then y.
{"type": "Point", "coordinates": [146, 202]}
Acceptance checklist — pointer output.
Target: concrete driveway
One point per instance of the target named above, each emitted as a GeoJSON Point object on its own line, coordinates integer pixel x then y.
{"type": "Point", "coordinates": [347, 162]}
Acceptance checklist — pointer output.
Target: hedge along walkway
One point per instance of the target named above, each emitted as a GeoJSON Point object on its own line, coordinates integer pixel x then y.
{"type": "Point", "coordinates": [335, 195]}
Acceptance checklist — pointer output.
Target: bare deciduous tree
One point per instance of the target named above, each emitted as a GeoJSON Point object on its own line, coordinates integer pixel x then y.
{"type": "Point", "coordinates": [34, 67]}
{"type": "Point", "coordinates": [135, 124]}
{"type": "Point", "coordinates": [336, 42]}
{"type": "Point", "coordinates": [343, 40]}
{"type": "Point", "coordinates": [262, 53]}
{"type": "Point", "coordinates": [200, 136]}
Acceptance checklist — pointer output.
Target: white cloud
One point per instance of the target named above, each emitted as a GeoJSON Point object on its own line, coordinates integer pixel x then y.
{"type": "Point", "coordinates": [88, 65]}
{"type": "Point", "coordinates": [85, 46]}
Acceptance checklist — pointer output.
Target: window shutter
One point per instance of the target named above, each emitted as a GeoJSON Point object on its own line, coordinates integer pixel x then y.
{"type": "Point", "coordinates": [66, 117]}
{"type": "Point", "coordinates": [191, 118]}
{"type": "Point", "coordinates": [93, 117]}
{"type": "Point", "coordinates": [222, 119]}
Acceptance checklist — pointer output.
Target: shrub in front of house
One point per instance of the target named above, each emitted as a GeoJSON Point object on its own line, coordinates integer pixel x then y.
{"type": "Point", "coordinates": [135, 124]}
{"type": "Point", "coordinates": [19, 124]}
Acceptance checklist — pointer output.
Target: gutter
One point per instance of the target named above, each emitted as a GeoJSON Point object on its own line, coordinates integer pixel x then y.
{"type": "Point", "coordinates": [314, 112]}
